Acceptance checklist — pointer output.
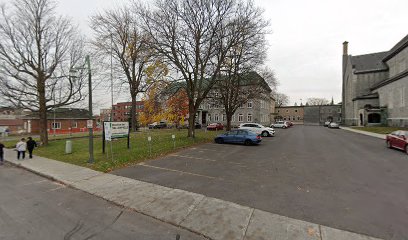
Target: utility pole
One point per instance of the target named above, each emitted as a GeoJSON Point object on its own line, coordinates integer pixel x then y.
{"type": "Point", "coordinates": [91, 156]}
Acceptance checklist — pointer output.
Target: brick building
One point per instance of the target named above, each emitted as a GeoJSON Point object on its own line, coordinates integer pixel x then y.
{"type": "Point", "coordinates": [122, 111]}
{"type": "Point", "coordinates": [309, 115]}
{"type": "Point", "coordinates": [62, 121]}
{"type": "Point", "coordinates": [294, 114]}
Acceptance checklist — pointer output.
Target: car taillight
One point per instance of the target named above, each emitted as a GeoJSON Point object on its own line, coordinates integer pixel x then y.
{"type": "Point", "coordinates": [258, 137]}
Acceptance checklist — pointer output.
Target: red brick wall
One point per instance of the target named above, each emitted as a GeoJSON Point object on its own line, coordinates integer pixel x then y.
{"type": "Point", "coordinates": [65, 126]}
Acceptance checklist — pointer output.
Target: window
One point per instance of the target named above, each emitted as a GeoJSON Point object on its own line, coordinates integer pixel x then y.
{"type": "Point", "coordinates": [339, 110]}
{"type": "Point", "coordinates": [216, 95]}
{"type": "Point", "coordinates": [278, 110]}
{"type": "Point", "coordinates": [298, 118]}
{"type": "Point", "coordinates": [284, 119]}
{"type": "Point", "coordinates": [209, 117]}
{"type": "Point", "coordinates": [224, 117]}
{"type": "Point", "coordinates": [295, 110]}
{"type": "Point", "coordinates": [74, 124]}
{"type": "Point", "coordinates": [216, 117]}
{"type": "Point", "coordinates": [241, 105]}
{"type": "Point", "coordinates": [249, 117]}
{"type": "Point", "coordinates": [287, 110]}
{"type": "Point", "coordinates": [209, 106]}
{"type": "Point", "coordinates": [56, 125]}
{"type": "Point", "coordinates": [293, 118]}
{"type": "Point", "coordinates": [233, 118]}
{"type": "Point", "coordinates": [249, 104]}
{"type": "Point", "coordinates": [240, 117]}
{"type": "Point", "coordinates": [390, 100]}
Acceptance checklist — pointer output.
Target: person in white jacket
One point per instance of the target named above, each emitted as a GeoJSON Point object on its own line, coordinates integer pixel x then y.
{"type": "Point", "coordinates": [21, 148]}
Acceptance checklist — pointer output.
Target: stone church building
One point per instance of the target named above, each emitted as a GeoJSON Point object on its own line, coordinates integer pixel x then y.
{"type": "Point", "coordinates": [375, 87]}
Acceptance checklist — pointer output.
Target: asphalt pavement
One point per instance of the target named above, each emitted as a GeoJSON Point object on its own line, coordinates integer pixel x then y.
{"type": "Point", "coordinates": [35, 208]}
{"type": "Point", "coordinates": [327, 176]}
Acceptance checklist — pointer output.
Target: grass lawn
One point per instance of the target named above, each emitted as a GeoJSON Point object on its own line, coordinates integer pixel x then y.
{"type": "Point", "coordinates": [139, 151]}
{"type": "Point", "coordinates": [380, 130]}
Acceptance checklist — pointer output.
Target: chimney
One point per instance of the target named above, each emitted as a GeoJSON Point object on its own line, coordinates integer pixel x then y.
{"type": "Point", "coordinates": [345, 48]}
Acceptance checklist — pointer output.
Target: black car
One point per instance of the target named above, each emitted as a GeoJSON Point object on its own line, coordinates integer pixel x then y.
{"type": "Point", "coordinates": [157, 125]}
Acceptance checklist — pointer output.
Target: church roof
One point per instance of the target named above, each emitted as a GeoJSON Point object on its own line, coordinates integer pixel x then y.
{"type": "Point", "coordinates": [397, 48]}
{"type": "Point", "coordinates": [369, 62]}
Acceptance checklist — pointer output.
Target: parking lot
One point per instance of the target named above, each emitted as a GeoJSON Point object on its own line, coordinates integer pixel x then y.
{"type": "Point", "coordinates": [327, 176]}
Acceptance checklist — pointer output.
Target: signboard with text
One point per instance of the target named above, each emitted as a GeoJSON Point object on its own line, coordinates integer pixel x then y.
{"type": "Point", "coordinates": [116, 130]}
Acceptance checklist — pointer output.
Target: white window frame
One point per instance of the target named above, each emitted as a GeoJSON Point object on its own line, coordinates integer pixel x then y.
{"type": "Point", "coordinates": [74, 124]}
{"type": "Point", "coordinates": [249, 104]}
{"type": "Point", "coordinates": [224, 117]}
{"type": "Point", "coordinates": [241, 105]}
{"type": "Point", "coordinates": [240, 117]}
{"type": "Point", "coordinates": [56, 125]}
{"type": "Point", "coordinates": [209, 117]}
{"type": "Point", "coordinates": [216, 117]}
{"type": "Point", "coordinates": [249, 117]}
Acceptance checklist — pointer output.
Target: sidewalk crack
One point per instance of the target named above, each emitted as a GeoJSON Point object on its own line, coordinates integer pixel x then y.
{"type": "Point", "coordinates": [249, 221]}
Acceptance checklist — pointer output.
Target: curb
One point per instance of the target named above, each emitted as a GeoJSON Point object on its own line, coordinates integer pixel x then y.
{"type": "Point", "coordinates": [376, 135]}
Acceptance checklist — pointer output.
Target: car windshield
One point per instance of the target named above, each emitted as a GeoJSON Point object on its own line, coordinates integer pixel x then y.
{"type": "Point", "coordinates": [213, 124]}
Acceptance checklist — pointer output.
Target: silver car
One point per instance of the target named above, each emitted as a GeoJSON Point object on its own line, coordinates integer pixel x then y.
{"type": "Point", "coordinates": [279, 124]}
{"type": "Point", "coordinates": [334, 125]}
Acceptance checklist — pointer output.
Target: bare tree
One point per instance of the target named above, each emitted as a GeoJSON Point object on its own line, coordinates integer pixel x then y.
{"type": "Point", "coordinates": [281, 99]}
{"type": "Point", "coordinates": [37, 51]}
{"type": "Point", "coordinates": [238, 81]}
{"type": "Point", "coordinates": [118, 33]}
{"type": "Point", "coordinates": [195, 38]}
{"type": "Point", "coordinates": [317, 101]}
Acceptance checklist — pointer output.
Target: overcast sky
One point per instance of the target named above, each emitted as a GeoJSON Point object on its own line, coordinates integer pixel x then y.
{"type": "Point", "coordinates": [307, 35]}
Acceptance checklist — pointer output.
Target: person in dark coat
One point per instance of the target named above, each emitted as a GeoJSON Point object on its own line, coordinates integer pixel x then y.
{"type": "Point", "coordinates": [1, 153]}
{"type": "Point", "coordinates": [31, 144]}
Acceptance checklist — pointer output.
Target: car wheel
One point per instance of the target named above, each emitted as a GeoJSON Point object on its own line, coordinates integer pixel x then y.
{"type": "Point", "coordinates": [389, 144]}
{"type": "Point", "coordinates": [283, 127]}
{"type": "Point", "coordinates": [265, 134]}
{"type": "Point", "coordinates": [248, 142]}
{"type": "Point", "coordinates": [219, 141]}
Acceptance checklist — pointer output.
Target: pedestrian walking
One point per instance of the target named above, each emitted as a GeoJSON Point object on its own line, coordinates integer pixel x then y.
{"type": "Point", "coordinates": [21, 148]}
{"type": "Point", "coordinates": [1, 153]}
{"type": "Point", "coordinates": [31, 144]}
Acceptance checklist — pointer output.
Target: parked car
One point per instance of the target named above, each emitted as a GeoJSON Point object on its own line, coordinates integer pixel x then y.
{"type": "Point", "coordinates": [215, 126]}
{"type": "Point", "coordinates": [333, 125]}
{"type": "Point", "coordinates": [258, 129]}
{"type": "Point", "coordinates": [279, 124]}
{"type": "Point", "coordinates": [289, 123]}
{"type": "Point", "coordinates": [327, 123]}
{"type": "Point", "coordinates": [239, 136]}
{"type": "Point", "coordinates": [157, 125]}
{"type": "Point", "coordinates": [196, 125]}
{"type": "Point", "coordinates": [398, 139]}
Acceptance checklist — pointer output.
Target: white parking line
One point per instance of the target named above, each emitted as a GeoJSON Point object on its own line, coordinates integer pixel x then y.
{"type": "Point", "coordinates": [173, 170]}
{"type": "Point", "coordinates": [206, 159]}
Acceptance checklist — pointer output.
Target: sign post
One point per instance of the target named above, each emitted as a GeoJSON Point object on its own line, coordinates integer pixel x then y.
{"type": "Point", "coordinates": [149, 139]}
{"type": "Point", "coordinates": [174, 141]}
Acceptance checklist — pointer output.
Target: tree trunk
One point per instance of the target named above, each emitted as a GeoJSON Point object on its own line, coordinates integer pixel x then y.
{"type": "Point", "coordinates": [191, 120]}
{"type": "Point", "coordinates": [133, 113]}
{"type": "Point", "coordinates": [42, 112]}
{"type": "Point", "coordinates": [229, 117]}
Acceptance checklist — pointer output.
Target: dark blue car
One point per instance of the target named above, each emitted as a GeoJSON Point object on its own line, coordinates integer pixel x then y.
{"type": "Point", "coordinates": [239, 136]}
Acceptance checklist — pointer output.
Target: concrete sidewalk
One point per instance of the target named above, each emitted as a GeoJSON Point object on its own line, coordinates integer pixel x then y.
{"type": "Point", "coordinates": [210, 217]}
{"type": "Point", "coordinates": [377, 135]}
